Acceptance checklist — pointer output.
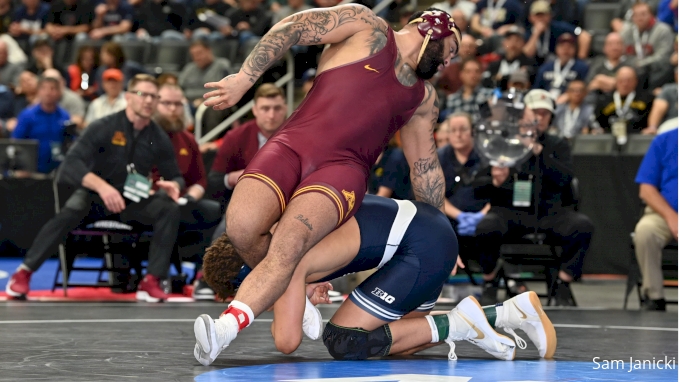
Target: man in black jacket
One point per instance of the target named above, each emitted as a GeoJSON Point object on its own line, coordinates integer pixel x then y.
{"type": "Point", "coordinates": [111, 162]}
{"type": "Point", "coordinates": [534, 196]}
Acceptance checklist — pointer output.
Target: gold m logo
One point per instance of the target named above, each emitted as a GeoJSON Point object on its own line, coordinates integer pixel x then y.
{"type": "Point", "coordinates": [350, 198]}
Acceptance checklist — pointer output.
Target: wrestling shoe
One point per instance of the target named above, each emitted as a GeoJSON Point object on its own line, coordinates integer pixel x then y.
{"type": "Point", "coordinates": [149, 290]}
{"type": "Point", "coordinates": [525, 312]}
{"type": "Point", "coordinates": [312, 323]}
{"type": "Point", "coordinates": [213, 336]}
{"type": "Point", "coordinates": [19, 284]}
{"type": "Point", "coordinates": [468, 322]}
{"type": "Point", "coordinates": [202, 290]}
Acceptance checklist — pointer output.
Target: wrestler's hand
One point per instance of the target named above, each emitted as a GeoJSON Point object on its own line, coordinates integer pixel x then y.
{"type": "Point", "coordinates": [228, 91]}
{"type": "Point", "coordinates": [459, 264]}
{"type": "Point", "coordinates": [318, 293]}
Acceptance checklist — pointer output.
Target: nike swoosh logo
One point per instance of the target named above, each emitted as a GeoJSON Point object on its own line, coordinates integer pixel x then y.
{"type": "Point", "coordinates": [368, 67]}
{"type": "Point", "coordinates": [480, 335]}
{"type": "Point", "coordinates": [524, 316]}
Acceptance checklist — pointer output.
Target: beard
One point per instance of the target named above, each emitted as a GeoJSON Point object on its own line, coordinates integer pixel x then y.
{"type": "Point", "coordinates": [170, 125]}
{"type": "Point", "coordinates": [432, 58]}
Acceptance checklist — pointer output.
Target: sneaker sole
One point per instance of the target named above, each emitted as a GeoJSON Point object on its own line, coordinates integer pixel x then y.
{"type": "Point", "coordinates": [487, 329]}
{"type": "Point", "coordinates": [12, 293]}
{"type": "Point", "coordinates": [144, 296]}
{"type": "Point", "coordinates": [204, 297]}
{"type": "Point", "coordinates": [550, 335]}
{"type": "Point", "coordinates": [308, 305]}
{"type": "Point", "coordinates": [204, 331]}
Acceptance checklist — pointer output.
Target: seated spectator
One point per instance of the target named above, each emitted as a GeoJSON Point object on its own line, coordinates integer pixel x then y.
{"type": "Point", "coordinates": [496, 75]}
{"type": "Point", "coordinates": [113, 19]}
{"type": "Point", "coordinates": [42, 58]}
{"type": "Point", "coordinates": [668, 13]}
{"type": "Point", "coordinates": [564, 11]}
{"type": "Point", "coordinates": [519, 80]}
{"type": "Point", "coordinates": [198, 216]}
{"type": "Point", "coordinates": [113, 99]}
{"type": "Point", "coordinates": [197, 28]}
{"type": "Point", "coordinates": [98, 165]}
{"type": "Point", "coordinates": [68, 19]}
{"type": "Point", "coordinates": [160, 19]}
{"type": "Point", "coordinates": [69, 100]}
{"type": "Point", "coordinates": [308, 80]}
{"type": "Point", "coordinates": [494, 17]}
{"type": "Point", "coordinates": [441, 134]}
{"type": "Point", "coordinates": [26, 91]}
{"type": "Point", "coordinates": [625, 12]}
{"type": "Point", "coordinates": [171, 79]}
{"type": "Point", "coordinates": [623, 111]}
{"type": "Point", "coordinates": [472, 94]}
{"type": "Point", "coordinates": [83, 72]}
{"type": "Point", "coordinates": [112, 56]}
{"type": "Point", "coordinates": [665, 107]}
{"type": "Point", "coordinates": [507, 221]}
{"type": "Point", "coordinates": [293, 6]}
{"type": "Point", "coordinates": [650, 42]}
{"type": "Point", "coordinates": [9, 73]}
{"type": "Point", "coordinates": [395, 181]}
{"type": "Point", "coordinates": [467, 8]}
{"type": "Point", "coordinates": [554, 76]}
{"type": "Point", "coordinates": [250, 20]}
{"type": "Point", "coordinates": [45, 122]}
{"type": "Point", "coordinates": [6, 13]}
{"type": "Point", "coordinates": [602, 72]}
{"type": "Point", "coordinates": [542, 36]}
{"type": "Point", "coordinates": [449, 78]}
{"type": "Point", "coordinates": [573, 116]}
{"type": "Point", "coordinates": [204, 68]}
{"type": "Point", "coordinates": [29, 21]}
{"type": "Point", "coordinates": [658, 180]}
{"type": "Point", "coordinates": [239, 145]}
{"type": "Point", "coordinates": [8, 121]}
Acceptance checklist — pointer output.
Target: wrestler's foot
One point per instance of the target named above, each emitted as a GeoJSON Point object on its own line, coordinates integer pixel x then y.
{"type": "Point", "coordinates": [312, 324]}
{"type": "Point", "coordinates": [525, 312]}
{"type": "Point", "coordinates": [213, 336]}
{"type": "Point", "coordinates": [468, 322]}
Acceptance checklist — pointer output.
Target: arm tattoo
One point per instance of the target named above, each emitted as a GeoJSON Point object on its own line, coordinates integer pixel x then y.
{"type": "Point", "coordinates": [304, 221]}
{"type": "Point", "coordinates": [307, 28]}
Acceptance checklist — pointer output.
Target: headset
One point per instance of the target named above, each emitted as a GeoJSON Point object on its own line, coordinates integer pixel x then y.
{"type": "Point", "coordinates": [435, 25]}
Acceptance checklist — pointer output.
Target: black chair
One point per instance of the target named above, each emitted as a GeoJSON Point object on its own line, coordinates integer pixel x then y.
{"type": "Point", "coordinates": [168, 56]}
{"type": "Point", "coordinates": [637, 145]}
{"type": "Point", "coordinates": [227, 48]}
{"type": "Point", "coordinates": [603, 144]}
{"type": "Point", "coordinates": [598, 16]}
{"type": "Point", "coordinates": [134, 50]}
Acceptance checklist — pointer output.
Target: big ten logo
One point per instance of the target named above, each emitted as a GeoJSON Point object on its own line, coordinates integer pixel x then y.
{"type": "Point", "coordinates": [383, 295]}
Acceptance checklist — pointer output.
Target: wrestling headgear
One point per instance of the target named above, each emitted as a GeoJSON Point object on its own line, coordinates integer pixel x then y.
{"type": "Point", "coordinates": [435, 25]}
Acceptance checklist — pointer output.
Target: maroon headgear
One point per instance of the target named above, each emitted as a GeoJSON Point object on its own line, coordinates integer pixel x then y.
{"type": "Point", "coordinates": [435, 25]}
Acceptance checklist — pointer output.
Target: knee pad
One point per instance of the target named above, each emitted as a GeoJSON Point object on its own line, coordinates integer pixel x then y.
{"type": "Point", "coordinates": [354, 344]}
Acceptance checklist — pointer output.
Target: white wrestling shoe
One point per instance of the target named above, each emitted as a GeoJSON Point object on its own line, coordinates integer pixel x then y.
{"type": "Point", "coordinates": [212, 336]}
{"type": "Point", "coordinates": [312, 323]}
{"type": "Point", "coordinates": [525, 312]}
{"type": "Point", "coordinates": [468, 322]}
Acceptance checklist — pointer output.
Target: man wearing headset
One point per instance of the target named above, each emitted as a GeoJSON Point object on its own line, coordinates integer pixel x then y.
{"type": "Point", "coordinates": [535, 195]}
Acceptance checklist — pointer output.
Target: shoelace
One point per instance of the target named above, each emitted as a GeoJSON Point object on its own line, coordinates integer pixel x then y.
{"type": "Point", "coordinates": [518, 340]}
{"type": "Point", "coordinates": [452, 352]}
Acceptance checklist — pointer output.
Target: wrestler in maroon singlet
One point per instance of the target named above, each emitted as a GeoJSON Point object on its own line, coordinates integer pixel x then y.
{"type": "Point", "coordinates": [330, 142]}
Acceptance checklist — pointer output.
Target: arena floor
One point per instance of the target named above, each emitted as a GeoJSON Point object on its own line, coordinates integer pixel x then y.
{"type": "Point", "coordinates": [136, 342]}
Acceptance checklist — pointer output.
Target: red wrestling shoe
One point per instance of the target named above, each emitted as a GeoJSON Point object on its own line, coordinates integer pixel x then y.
{"type": "Point", "coordinates": [150, 290]}
{"type": "Point", "coordinates": [19, 284]}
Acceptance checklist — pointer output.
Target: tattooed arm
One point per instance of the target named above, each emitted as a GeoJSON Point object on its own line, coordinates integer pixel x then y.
{"type": "Point", "coordinates": [420, 150]}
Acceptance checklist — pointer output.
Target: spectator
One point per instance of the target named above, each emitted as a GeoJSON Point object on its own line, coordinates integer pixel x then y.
{"type": "Point", "coordinates": [112, 57]}
{"type": "Point", "coordinates": [472, 94]}
{"type": "Point", "coordinates": [650, 42]}
{"type": "Point", "coordinates": [204, 68]}
{"type": "Point", "coordinates": [554, 76]}
{"type": "Point", "coordinates": [112, 101]}
{"type": "Point", "coordinates": [308, 80]}
{"type": "Point", "coordinates": [542, 37]}
{"type": "Point", "coordinates": [171, 79]}
{"type": "Point", "coordinates": [68, 19]}
{"type": "Point", "coordinates": [602, 73]}
{"type": "Point", "coordinates": [565, 11]}
{"type": "Point", "coordinates": [250, 20]}
{"type": "Point", "coordinates": [623, 111]}
{"type": "Point", "coordinates": [551, 167]}
{"type": "Point", "coordinates": [573, 116]}
{"type": "Point", "coordinates": [665, 107]}
{"type": "Point", "coordinates": [45, 122]}
{"type": "Point", "coordinates": [395, 181]}
{"type": "Point", "coordinates": [29, 21]}
{"type": "Point", "coordinates": [26, 91]}
{"type": "Point", "coordinates": [160, 19]}
{"type": "Point", "coordinates": [462, 166]}
{"type": "Point", "coordinates": [8, 121]}
{"type": "Point", "coordinates": [496, 75]}
{"type": "Point", "coordinates": [83, 72]}
{"type": "Point", "coordinates": [519, 80]}
{"type": "Point", "coordinates": [15, 53]}
{"type": "Point", "coordinates": [467, 7]}
{"type": "Point", "coordinates": [69, 100]}
{"type": "Point", "coordinates": [239, 145]}
{"type": "Point", "coordinates": [625, 13]}
{"type": "Point", "coordinates": [668, 13]}
{"type": "Point", "coordinates": [441, 134]}
{"type": "Point", "coordinates": [198, 215]}
{"type": "Point", "coordinates": [658, 180]}
{"type": "Point", "coordinates": [293, 6]}
{"type": "Point", "coordinates": [6, 14]}
{"type": "Point", "coordinates": [9, 73]}
{"type": "Point", "coordinates": [99, 163]}
{"type": "Point", "coordinates": [449, 80]}
{"type": "Point", "coordinates": [42, 58]}
{"type": "Point", "coordinates": [197, 28]}
{"type": "Point", "coordinates": [493, 17]}
{"type": "Point", "coordinates": [113, 19]}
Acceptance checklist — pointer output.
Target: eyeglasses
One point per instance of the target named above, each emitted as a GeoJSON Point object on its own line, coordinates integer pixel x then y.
{"type": "Point", "coordinates": [145, 95]}
{"type": "Point", "coordinates": [168, 104]}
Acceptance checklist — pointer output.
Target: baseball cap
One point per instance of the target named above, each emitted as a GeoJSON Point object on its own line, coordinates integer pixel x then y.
{"type": "Point", "coordinates": [540, 6]}
{"type": "Point", "coordinates": [514, 30]}
{"type": "Point", "coordinates": [567, 37]}
{"type": "Point", "coordinates": [112, 74]}
{"type": "Point", "coordinates": [539, 99]}
{"type": "Point", "coordinates": [519, 76]}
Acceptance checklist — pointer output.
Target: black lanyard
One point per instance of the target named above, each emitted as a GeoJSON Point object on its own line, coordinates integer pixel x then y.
{"type": "Point", "coordinates": [133, 146]}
